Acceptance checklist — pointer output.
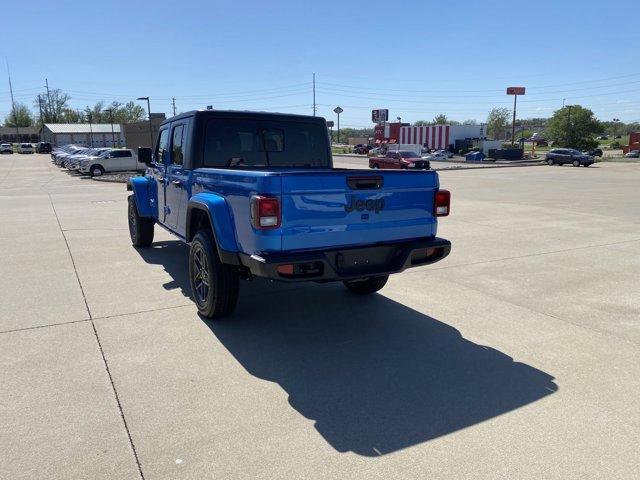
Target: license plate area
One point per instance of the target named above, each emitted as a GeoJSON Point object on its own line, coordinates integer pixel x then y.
{"type": "Point", "coordinates": [363, 260]}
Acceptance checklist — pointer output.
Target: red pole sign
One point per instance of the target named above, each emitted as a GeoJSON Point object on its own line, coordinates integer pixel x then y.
{"type": "Point", "coordinates": [515, 90]}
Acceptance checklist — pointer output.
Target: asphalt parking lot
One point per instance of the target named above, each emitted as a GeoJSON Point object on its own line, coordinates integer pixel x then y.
{"type": "Point", "coordinates": [516, 357]}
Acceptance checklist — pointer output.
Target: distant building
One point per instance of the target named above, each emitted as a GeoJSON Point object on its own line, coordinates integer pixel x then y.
{"type": "Point", "coordinates": [137, 133]}
{"type": "Point", "coordinates": [430, 136]}
{"type": "Point", "coordinates": [19, 134]}
{"type": "Point", "coordinates": [89, 134]}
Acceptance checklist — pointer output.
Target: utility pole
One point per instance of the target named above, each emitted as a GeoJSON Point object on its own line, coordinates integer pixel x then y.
{"type": "Point", "coordinates": [569, 127]}
{"type": "Point", "coordinates": [173, 102]}
{"type": "Point", "coordinates": [314, 95]}
{"type": "Point", "coordinates": [41, 119]}
{"type": "Point", "coordinates": [13, 104]}
{"type": "Point", "coordinates": [53, 116]}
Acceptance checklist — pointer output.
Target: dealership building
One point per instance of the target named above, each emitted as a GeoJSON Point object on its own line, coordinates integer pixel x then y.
{"type": "Point", "coordinates": [86, 134]}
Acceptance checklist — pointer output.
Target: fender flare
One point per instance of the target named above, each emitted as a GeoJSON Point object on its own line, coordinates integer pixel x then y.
{"type": "Point", "coordinates": [145, 196]}
{"type": "Point", "coordinates": [220, 218]}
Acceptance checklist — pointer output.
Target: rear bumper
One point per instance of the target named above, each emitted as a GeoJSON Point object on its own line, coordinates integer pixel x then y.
{"type": "Point", "coordinates": [348, 263]}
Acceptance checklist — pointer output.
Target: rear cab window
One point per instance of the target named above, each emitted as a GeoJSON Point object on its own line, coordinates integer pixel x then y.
{"type": "Point", "coordinates": [262, 143]}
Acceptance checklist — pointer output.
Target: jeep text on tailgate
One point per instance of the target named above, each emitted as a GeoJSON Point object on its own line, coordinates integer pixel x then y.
{"type": "Point", "coordinates": [256, 194]}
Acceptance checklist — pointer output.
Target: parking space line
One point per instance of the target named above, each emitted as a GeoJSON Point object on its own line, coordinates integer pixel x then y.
{"type": "Point", "coordinates": [104, 358]}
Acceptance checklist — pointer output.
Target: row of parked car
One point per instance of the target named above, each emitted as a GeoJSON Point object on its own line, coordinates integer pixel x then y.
{"type": "Point", "coordinates": [41, 147]}
{"type": "Point", "coordinates": [96, 161]}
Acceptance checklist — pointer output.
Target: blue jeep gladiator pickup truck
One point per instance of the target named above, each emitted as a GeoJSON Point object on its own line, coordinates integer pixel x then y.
{"type": "Point", "coordinates": [256, 194]}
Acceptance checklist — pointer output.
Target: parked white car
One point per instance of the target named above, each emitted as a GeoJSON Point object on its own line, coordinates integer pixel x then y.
{"type": "Point", "coordinates": [60, 155]}
{"type": "Point", "coordinates": [116, 160]}
{"type": "Point", "coordinates": [6, 148]}
{"type": "Point", "coordinates": [25, 148]}
{"type": "Point", "coordinates": [71, 162]}
{"type": "Point", "coordinates": [445, 152]}
{"type": "Point", "coordinates": [436, 156]}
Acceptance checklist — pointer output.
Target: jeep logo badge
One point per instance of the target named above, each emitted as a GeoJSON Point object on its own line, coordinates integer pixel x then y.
{"type": "Point", "coordinates": [360, 205]}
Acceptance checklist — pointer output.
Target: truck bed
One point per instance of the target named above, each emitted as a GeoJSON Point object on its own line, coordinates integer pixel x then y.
{"type": "Point", "coordinates": [327, 208]}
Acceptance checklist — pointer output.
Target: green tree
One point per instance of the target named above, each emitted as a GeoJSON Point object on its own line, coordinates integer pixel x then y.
{"type": "Point", "coordinates": [69, 115]}
{"type": "Point", "coordinates": [497, 121]}
{"type": "Point", "coordinates": [440, 119]}
{"type": "Point", "coordinates": [469, 121]}
{"type": "Point", "coordinates": [347, 132]}
{"type": "Point", "coordinates": [116, 111]}
{"type": "Point", "coordinates": [127, 113]}
{"type": "Point", "coordinates": [96, 114]}
{"type": "Point", "coordinates": [575, 127]}
{"type": "Point", "coordinates": [20, 116]}
{"type": "Point", "coordinates": [421, 123]}
{"type": "Point", "coordinates": [52, 105]}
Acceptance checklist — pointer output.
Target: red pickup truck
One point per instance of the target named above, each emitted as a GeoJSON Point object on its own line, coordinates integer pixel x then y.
{"type": "Point", "coordinates": [400, 160]}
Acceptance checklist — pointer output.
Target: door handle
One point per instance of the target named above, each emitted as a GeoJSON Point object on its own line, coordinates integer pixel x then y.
{"type": "Point", "coordinates": [177, 183]}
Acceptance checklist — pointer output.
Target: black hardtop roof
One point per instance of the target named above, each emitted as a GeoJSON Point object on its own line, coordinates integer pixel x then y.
{"type": "Point", "coordinates": [244, 114]}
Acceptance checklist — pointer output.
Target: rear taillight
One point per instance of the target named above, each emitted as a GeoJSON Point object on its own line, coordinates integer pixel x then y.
{"type": "Point", "coordinates": [442, 203]}
{"type": "Point", "coordinates": [265, 212]}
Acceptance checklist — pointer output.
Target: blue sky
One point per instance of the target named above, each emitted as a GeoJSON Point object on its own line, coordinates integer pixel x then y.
{"type": "Point", "coordinates": [417, 58]}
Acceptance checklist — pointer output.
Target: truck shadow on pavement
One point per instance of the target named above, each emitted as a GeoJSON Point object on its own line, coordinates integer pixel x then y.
{"type": "Point", "coordinates": [375, 376]}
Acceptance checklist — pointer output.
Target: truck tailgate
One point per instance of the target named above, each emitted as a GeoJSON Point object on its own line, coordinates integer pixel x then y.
{"type": "Point", "coordinates": [356, 207]}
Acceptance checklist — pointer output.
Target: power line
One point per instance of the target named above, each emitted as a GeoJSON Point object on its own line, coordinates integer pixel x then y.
{"type": "Point", "coordinates": [297, 87]}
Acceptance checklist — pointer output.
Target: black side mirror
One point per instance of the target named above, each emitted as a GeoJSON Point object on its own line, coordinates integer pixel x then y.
{"type": "Point", "coordinates": [144, 155]}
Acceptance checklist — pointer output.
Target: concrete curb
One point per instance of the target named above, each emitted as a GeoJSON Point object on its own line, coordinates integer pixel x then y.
{"type": "Point", "coordinates": [112, 179]}
{"type": "Point", "coordinates": [485, 167]}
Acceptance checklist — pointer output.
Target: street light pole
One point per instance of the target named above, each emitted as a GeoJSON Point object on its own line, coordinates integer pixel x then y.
{"type": "Point", "coordinates": [149, 113]}
{"type": "Point", "coordinates": [113, 135]}
{"type": "Point", "coordinates": [89, 116]}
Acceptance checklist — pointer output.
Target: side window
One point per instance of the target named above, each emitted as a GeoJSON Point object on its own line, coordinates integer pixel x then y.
{"type": "Point", "coordinates": [121, 153]}
{"type": "Point", "coordinates": [162, 146]}
{"type": "Point", "coordinates": [177, 155]}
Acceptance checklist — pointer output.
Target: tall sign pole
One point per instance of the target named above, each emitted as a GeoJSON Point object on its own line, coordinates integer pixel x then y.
{"type": "Point", "coordinates": [515, 91]}
{"type": "Point", "coordinates": [338, 111]}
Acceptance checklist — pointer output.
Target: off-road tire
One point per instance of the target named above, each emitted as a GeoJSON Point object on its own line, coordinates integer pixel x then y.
{"type": "Point", "coordinates": [214, 285]}
{"type": "Point", "coordinates": [367, 285]}
{"type": "Point", "coordinates": [140, 228]}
